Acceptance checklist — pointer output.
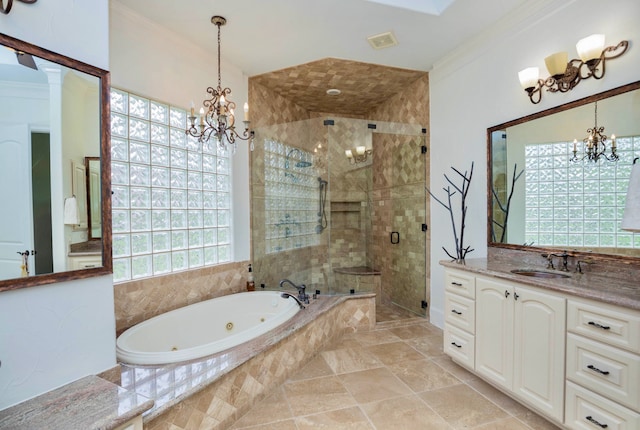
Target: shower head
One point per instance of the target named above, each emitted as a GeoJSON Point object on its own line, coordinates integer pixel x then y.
{"type": "Point", "coordinates": [301, 163]}
{"type": "Point", "coordinates": [304, 164]}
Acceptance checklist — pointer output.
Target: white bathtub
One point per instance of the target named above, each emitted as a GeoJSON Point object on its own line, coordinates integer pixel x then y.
{"type": "Point", "coordinates": [204, 328]}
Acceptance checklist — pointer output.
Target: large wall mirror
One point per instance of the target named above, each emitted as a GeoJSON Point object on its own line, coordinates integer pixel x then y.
{"type": "Point", "coordinates": [55, 211]}
{"type": "Point", "coordinates": [538, 197]}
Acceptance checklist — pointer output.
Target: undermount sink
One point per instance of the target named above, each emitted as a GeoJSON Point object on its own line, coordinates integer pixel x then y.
{"type": "Point", "coordinates": [539, 273]}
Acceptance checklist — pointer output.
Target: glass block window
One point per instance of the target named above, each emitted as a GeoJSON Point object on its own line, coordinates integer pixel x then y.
{"type": "Point", "coordinates": [291, 197]}
{"type": "Point", "coordinates": [577, 204]}
{"type": "Point", "coordinates": [171, 195]}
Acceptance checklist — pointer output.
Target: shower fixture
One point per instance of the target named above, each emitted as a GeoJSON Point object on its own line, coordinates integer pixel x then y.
{"type": "Point", "coordinates": [301, 163]}
{"type": "Point", "coordinates": [322, 214]}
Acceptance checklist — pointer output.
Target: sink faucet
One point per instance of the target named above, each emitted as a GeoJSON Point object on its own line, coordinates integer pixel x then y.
{"type": "Point", "coordinates": [287, 295]}
{"type": "Point", "coordinates": [563, 255]}
{"type": "Point", "coordinates": [302, 296]}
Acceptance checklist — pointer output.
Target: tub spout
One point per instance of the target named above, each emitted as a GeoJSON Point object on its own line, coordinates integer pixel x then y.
{"type": "Point", "coordinates": [287, 295]}
{"type": "Point", "coordinates": [302, 296]}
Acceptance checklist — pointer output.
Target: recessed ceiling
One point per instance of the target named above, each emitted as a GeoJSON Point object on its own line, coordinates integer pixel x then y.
{"type": "Point", "coordinates": [432, 7]}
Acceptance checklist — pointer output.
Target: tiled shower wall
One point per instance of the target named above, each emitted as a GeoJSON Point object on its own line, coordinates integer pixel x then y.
{"type": "Point", "coordinates": [349, 186]}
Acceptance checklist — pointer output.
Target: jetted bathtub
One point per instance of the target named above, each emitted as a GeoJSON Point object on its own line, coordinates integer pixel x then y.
{"type": "Point", "coordinates": [204, 328]}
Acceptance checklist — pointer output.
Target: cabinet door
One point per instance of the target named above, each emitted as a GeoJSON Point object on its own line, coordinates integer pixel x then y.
{"type": "Point", "coordinates": [494, 331]}
{"type": "Point", "coordinates": [539, 350]}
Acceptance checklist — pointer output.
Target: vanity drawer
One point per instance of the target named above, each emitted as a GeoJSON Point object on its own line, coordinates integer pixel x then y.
{"type": "Point", "coordinates": [460, 283]}
{"type": "Point", "coordinates": [460, 311]}
{"type": "Point", "coordinates": [608, 371]}
{"type": "Point", "coordinates": [459, 345]}
{"type": "Point", "coordinates": [610, 324]}
{"type": "Point", "coordinates": [588, 411]}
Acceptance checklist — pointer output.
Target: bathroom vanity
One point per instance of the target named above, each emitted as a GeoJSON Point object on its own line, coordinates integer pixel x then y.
{"type": "Point", "coordinates": [567, 344]}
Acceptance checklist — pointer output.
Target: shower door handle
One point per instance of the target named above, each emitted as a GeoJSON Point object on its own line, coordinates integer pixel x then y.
{"type": "Point", "coordinates": [395, 237]}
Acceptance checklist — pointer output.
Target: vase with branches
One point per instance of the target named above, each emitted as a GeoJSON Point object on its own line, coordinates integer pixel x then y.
{"type": "Point", "coordinates": [458, 231]}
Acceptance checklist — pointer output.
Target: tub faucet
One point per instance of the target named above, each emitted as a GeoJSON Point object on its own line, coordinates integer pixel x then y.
{"type": "Point", "coordinates": [302, 296]}
{"type": "Point", "coordinates": [287, 295]}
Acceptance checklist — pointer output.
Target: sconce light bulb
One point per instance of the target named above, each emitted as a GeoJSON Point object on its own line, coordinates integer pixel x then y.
{"type": "Point", "coordinates": [590, 47]}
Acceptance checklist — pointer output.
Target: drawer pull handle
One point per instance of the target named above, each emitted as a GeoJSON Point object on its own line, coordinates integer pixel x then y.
{"type": "Point", "coordinates": [457, 284]}
{"type": "Point", "coordinates": [590, 419]}
{"type": "Point", "coordinates": [456, 312]}
{"type": "Point", "coordinates": [603, 327]}
{"type": "Point", "coordinates": [506, 293]}
{"type": "Point", "coordinates": [595, 369]}
{"type": "Point", "coordinates": [456, 345]}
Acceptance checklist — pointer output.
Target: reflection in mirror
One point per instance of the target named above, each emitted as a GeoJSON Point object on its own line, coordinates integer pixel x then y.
{"type": "Point", "coordinates": [540, 197]}
{"type": "Point", "coordinates": [53, 114]}
{"type": "Point", "coordinates": [94, 202]}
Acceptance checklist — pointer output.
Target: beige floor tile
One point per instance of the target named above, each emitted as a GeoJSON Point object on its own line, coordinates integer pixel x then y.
{"type": "Point", "coordinates": [455, 369]}
{"type": "Point", "coordinates": [429, 346]}
{"type": "Point", "coordinates": [535, 421]}
{"type": "Point", "coordinates": [406, 413]}
{"type": "Point", "coordinates": [317, 395]}
{"type": "Point", "coordinates": [341, 419]}
{"type": "Point", "coordinates": [280, 425]}
{"type": "Point", "coordinates": [315, 368]}
{"type": "Point", "coordinates": [414, 331]}
{"type": "Point", "coordinates": [373, 385]}
{"type": "Point", "coordinates": [376, 337]}
{"type": "Point", "coordinates": [348, 341]}
{"type": "Point", "coordinates": [510, 423]}
{"type": "Point", "coordinates": [462, 407]}
{"type": "Point", "coordinates": [350, 360]}
{"type": "Point", "coordinates": [423, 375]}
{"type": "Point", "coordinates": [497, 397]}
{"type": "Point", "coordinates": [273, 408]}
{"type": "Point", "coordinates": [394, 352]}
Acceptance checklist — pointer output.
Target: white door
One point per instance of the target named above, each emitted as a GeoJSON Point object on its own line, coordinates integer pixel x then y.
{"type": "Point", "coordinates": [539, 351]}
{"type": "Point", "coordinates": [494, 331]}
{"type": "Point", "coordinates": [16, 216]}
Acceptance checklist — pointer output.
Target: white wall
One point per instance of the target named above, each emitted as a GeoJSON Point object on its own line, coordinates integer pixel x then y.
{"type": "Point", "coordinates": [477, 87]}
{"type": "Point", "coordinates": [54, 334]}
{"type": "Point", "coordinates": [151, 61]}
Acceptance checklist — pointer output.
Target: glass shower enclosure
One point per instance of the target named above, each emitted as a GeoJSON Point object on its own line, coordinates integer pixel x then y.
{"type": "Point", "coordinates": [339, 205]}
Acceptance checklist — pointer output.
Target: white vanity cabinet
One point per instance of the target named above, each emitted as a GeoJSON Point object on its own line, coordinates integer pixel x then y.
{"type": "Point", "coordinates": [603, 366]}
{"type": "Point", "coordinates": [520, 342]}
{"type": "Point", "coordinates": [460, 318]}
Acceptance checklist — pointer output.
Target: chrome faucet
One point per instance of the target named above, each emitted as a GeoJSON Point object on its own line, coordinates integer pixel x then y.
{"type": "Point", "coordinates": [302, 296]}
{"type": "Point", "coordinates": [288, 295]}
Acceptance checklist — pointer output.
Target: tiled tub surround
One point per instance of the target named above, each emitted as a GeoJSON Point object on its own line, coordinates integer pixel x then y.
{"type": "Point", "coordinates": [88, 403]}
{"type": "Point", "coordinates": [137, 301]}
{"type": "Point", "coordinates": [215, 391]}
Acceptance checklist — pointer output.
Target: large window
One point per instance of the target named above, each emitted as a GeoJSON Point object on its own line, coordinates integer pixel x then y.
{"type": "Point", "coordinates": [171, 195]}
{"type": "Point", "coordinates": [577, 204]}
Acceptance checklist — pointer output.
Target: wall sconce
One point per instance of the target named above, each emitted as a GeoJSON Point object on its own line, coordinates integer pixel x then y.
{"type": "Point", "coordinates": [359, 154]}
{"type": "Point", "coordinates": [631, 217]}
{"type": "Point", "coordinates": [565, 75]}
{"type": "Point", "coordinates": [6, 9]}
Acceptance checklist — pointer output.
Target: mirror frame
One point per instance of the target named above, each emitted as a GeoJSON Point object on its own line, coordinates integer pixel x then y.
{"type": "Point", "coordinates": [87, 164]}
{"type": "Point", "coordinates": [586, 100]}
{"type": "Point", "coordinates": [105, 165]}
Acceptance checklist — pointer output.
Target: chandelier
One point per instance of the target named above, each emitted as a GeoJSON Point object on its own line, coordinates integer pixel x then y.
{"type": "Point", "coordinates": [595, 144]}
{"type": "Point", "coordinates": [217, 117]}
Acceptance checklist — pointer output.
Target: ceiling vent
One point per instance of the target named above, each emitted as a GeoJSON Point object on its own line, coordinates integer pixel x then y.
{"type": "Point", "coordinates": [382, 40]}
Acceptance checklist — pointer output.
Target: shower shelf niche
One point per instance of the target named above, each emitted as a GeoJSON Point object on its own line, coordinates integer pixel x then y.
{"type": "Point", "coordinates": [345, 214]}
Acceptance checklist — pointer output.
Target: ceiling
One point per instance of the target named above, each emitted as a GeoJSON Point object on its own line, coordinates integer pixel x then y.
{"type": "Point", "coordinates": [292, 43]}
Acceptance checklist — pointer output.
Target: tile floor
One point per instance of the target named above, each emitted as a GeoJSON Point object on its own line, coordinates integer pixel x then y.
{"type": "Point", "coordinates": [394, 377]}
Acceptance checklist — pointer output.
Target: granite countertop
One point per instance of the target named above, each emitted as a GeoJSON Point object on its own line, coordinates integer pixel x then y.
{"type": "Point", "coordinates": [88, 403]}
{"type": "Point", "coordinates": [91, 247]}
{"type": "Point", "coordinates": [620, 291]}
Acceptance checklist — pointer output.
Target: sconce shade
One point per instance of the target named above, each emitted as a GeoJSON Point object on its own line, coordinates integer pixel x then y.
{"type": "Point", "coordinates": [631, 217]}
{"type": "Point", "coordinates": [529, 77]}
{"type": "Point", "coordinates": [590, 47]}
{"type": "Point", "coordinates": [360, 150]}
{"type": "Point", "coordinates": [348, 153]}
{"type": "Point", "coordinates": [557, 63]}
